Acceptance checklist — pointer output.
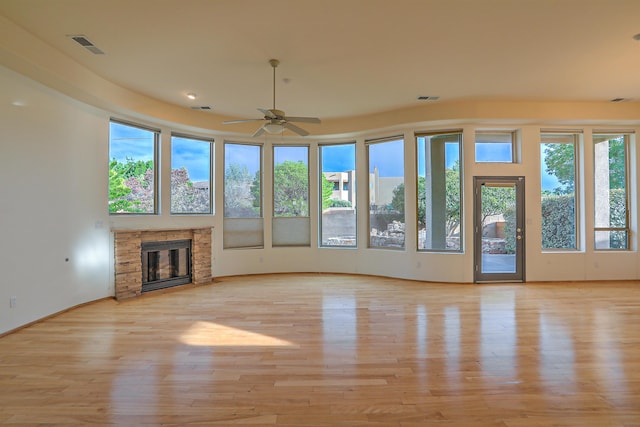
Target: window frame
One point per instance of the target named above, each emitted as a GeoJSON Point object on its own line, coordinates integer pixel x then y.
{"type": "Point", "coordinates": [211, 142]}
{"type": "Point", "coordinates": [460, 143]}
{"type": "Point", "coordinates": [368, 143]}
{"type": "Point", "coordinates": [224, 179]}
{"type": "Point", "coordinates": [235, 233]}
{"type": "Point", "coordinates": [293, 238]}
{"type": "Point", "coordinates": [514, 146]}
{"type": "Point", "coordinates": [627, 180]}
{"type": "Point", "coordinates": [156, 169]}
{"type": "Point", "coordinates": [353, 187]}
{"type": "Point", "coordinates": [576, 137]}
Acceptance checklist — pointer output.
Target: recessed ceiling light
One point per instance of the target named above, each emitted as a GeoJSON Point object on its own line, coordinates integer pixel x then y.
{"type": "Point", "coordinates": [619, 99]}
{"type": "Point", "coordinates": [191, 95]}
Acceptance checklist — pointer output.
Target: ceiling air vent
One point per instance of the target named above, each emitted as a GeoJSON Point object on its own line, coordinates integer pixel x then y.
{"type": "Point", "coordinates": [203, 107]}
{"type": "Point", "coordinates": [428, 98]}
{"type": "Point", "coordinates": [86, 43]}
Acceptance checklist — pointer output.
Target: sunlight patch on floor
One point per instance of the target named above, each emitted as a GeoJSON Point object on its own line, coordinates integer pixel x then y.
{"type": "Point", "coordinates": [213, 334]}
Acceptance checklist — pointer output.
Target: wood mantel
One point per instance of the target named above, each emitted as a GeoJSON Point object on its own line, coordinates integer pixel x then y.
{"type": "Point", "coordinates": [128, 256]}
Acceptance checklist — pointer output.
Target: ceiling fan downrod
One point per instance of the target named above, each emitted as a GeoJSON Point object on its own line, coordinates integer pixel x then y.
{"type": "Point", "coordinates": [274, 64]}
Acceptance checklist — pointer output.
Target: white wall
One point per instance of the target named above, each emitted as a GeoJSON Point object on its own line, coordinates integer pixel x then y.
{"type": "Point", "coordinates": [52, 202]}
{"type": "Point", "coordinates": [54, 191]}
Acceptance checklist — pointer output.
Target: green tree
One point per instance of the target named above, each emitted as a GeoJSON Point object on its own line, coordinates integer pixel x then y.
{"type": "Point", "coordinates": [617, 173]}
{"type": "Point", "coordinates": [238, 200]}
{"type": "Point", "coordinates": [397, 201]}
{"type": "Point", "coordinates": [327, 191]}
{"type": "Point", "coordinates": [118, 192]}
{"type": "Point", "coordinates": [452, 199]}
{"type": "Point", "coordinates": [185, 198]}
{"type": "Point", "coordinates": [291, 189]}
{"type": "Point", "coordinates": [131, 168]}
{"type": "Point", "coordinates": [559, 161]}
{"type": "Point", "coordinates": [256, 192]}
{"type": "Point", "coordinates": [497, 201]}
{"type": "Point", "coordinates": [130, 186]}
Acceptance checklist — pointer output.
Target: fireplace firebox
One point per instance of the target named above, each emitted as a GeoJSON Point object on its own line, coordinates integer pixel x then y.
{"type": "Point", "coordinates": [165, 264]}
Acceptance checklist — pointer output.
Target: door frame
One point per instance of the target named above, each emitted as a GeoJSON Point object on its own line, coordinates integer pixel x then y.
{"type": "Point", "coordinates": [519, 275]}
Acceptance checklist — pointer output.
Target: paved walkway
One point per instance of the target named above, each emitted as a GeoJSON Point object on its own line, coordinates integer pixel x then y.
{"type": "Point", "coordinates": [498, 263]}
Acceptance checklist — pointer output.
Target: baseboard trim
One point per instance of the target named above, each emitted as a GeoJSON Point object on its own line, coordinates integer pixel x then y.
{"type": "Point", "coordinates": [26, 325]}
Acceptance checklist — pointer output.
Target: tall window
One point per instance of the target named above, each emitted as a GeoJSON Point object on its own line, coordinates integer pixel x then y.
{"type": "Point", "coordinates": [439, 192]}
{"type": "Point", "coordinates": [191, 175]}
{"type": "Point", "coordinates": [291, 223]}
{"type": "Point", "coordinates": [132, 172]}
{"type": "Point", "coordinates": [338, 195]}
{"type": "Point", "coordinates": [243, 226]}
{"type": "Point", "coordinates": [610, 190]}
{"type": "Point", "coordinates": [386, 193]}
{"type": "Point", "coordinates": [558, 180]}
{"type": "Point", "coordinates": [495, 146]}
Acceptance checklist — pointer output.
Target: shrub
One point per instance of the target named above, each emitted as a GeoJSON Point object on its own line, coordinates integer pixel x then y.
{"type": "Point", "coordinates": [558, 222]}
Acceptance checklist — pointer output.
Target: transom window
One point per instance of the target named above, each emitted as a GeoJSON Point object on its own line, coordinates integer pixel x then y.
{"type": "Point", "coordinates": [495, 146]}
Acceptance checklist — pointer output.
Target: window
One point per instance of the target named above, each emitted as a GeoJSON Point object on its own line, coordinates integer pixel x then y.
{"type": "Point", "coordinates": [558, 182]}
{"type": "Point", "coordinates": [291, 222]}
{"type": "Point", "coordinates": [610, 191]}
{"type": "Point", "coordinates": [243, 225]}
{"type": "Point", "coordinates": [338, 219]}
{"type": "Point", "coordinates": [439, 192]}
{"type": "Point", "coordinates": [191, 175]}
{"type": "Point", "coordinates": [495, 147]}
{"type": "Point", "coordinates": [132, 172]}
{"type": "Point", "coordinates": [386, 193]}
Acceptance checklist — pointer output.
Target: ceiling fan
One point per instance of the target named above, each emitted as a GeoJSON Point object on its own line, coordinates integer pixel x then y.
{"type": "Point", "coordinates": [276, 120]}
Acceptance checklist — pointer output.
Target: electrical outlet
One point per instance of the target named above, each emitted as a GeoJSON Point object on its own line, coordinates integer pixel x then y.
{"type": "Point", "coordinates": [13, 301]}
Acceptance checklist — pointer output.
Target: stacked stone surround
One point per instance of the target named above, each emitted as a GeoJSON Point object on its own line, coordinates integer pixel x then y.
{"type": "Point", "coordinates": [128, 256]}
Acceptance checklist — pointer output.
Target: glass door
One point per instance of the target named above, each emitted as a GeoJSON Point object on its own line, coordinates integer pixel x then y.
{"type": "Point", "coordinates": [499, 229]}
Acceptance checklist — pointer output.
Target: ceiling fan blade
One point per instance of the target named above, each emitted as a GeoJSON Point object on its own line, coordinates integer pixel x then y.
{"type": "Point", "coordinates": [295, 128]}
{"type": "Point", "coordinates": [267, 113]}
{"type": "Point", "coordinates": [228, 122]}
{"type": "Point", "coordinates": [259, 132]}
{"type": "Point", "coordinates": [302, 119]}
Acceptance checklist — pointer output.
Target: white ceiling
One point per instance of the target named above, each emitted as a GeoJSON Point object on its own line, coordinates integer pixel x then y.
{"type": "Point", "coordinates": [348, 57]}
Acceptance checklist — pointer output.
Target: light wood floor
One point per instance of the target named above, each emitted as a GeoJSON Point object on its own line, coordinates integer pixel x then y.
{"type": "Point", "coordinates": [334, 350]}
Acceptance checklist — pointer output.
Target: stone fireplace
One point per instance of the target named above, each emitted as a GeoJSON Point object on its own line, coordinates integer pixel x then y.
{"type": "Point", "coordinates": [129, 245]}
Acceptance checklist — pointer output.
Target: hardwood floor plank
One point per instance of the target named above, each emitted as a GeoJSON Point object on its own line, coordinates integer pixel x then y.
{"type": "Point", "coordinates": [334, 350]}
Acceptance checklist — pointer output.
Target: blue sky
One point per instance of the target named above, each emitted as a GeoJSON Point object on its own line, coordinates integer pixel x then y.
{"type": "Point", "coordinates": [132, 142]}
{"type": "Point", "coordinates": [194, 155]}
{"type": "Point", "coordinates": [282, 154]}
{"type": "Point", "coordinates": [137, 144]}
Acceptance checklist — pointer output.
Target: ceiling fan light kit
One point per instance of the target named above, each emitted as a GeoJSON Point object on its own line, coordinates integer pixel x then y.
{"type": "Point", "coordinates": [276, 120]}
